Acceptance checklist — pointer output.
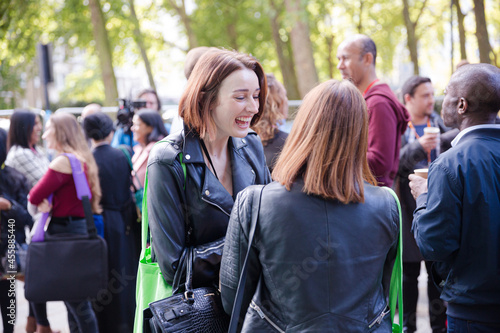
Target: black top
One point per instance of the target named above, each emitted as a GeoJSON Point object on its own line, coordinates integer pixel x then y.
{"type": "Point", "coordinates": [273, 148]}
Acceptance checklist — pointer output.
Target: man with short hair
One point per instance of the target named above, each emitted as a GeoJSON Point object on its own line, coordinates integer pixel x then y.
{"type": "Point", "coordinates": [457, 221]}
{"type": "Point", "coordinates": [388, 118]}
{"type": "Point", "coordinates": [418, 150]}
{"type": "Point", "coordinates": [150, 96]}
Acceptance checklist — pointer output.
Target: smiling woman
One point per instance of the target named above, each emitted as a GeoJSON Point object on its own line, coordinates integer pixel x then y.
{"type": "Point", "coordinates": [194, 175]}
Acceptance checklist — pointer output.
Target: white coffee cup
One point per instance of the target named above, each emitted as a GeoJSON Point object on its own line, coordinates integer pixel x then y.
{"type": "Point", "coordinates": [421, 172]}
{"type": "Point", "coordinates": [434, 130]}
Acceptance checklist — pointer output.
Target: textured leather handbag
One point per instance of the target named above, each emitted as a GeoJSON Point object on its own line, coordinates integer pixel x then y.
{"type": "Point", "coordinates": [195, 310]}
{"type": "Point", "coordinates": [68, 267]}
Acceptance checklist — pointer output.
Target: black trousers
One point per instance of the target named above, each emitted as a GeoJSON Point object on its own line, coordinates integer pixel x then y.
{"type": "Point", "coordinates": [6, 299]}
{"type": "Point", "coordinates": [437, 308]}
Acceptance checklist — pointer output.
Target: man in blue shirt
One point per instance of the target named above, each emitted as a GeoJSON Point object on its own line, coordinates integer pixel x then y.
{"type": "Point", "coordinates": [457, 221]}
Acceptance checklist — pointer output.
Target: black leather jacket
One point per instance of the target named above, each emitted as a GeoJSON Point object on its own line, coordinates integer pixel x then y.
{"type": "Point", "coordinates": [207, 203]}
{"type": "Point", "coordinates": [316, 265]}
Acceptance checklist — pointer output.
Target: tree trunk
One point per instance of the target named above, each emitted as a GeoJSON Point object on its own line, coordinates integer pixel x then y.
{"type": "Point", "coordinates": [186, 21]}
{"type": "Point", "coordinates": [411, 28]}
{"type": "Point", "coordinates": [482, 32]}
{"type": "Point", "coordinates": [286, 62]}
{"type": "Point", "coordinates": [461, 29]}
{"type": "Point", "coordinates": [360, 21]}
{"type": "Point", "coordinates": [140, 43]}
{"type": "Point", "coordinates": [232, 34]}
{"type": "Point", "coordinates": [331, 64]}
{"type": "Point", "coordinates": [302, 47]}
{"type": "Point", "coordinates": [104, 52]}
{"type": "Point", "coordinates": [411, 39]}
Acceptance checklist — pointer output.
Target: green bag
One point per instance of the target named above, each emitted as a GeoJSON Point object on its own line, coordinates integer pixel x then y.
{"type": "Point", "coordinates": [396, 288]}
{"type": "Point", "coordinates": [151, 285]}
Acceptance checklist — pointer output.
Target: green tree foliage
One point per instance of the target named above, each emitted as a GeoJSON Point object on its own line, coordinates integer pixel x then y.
{"type": "Point", "coordinates": [259, 27]}
{"type": "Point", "coordinates": [20, 22]}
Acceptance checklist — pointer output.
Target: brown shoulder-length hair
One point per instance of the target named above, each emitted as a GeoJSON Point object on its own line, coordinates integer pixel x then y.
{"type": "Point", "coordinates": [328, 143]}
{"type": "Point", "coordinates": [200, 96]}
{"type": "Point", "coordinates": [267, 127]}
{"type": "Point", "coordinates": [70, 139]}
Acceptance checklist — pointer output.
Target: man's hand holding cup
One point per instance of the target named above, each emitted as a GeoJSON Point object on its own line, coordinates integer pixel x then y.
{"type": "Point", "coordinates": [430, 139]}
{"type": "Point", "coordinates": [418, 182]}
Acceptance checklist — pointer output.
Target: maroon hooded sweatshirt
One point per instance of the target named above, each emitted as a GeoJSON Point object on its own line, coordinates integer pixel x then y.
{"type": "Point", "coordinates": [388, 119]}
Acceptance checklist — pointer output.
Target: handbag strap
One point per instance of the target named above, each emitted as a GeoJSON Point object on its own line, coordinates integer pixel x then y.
{"type": "Point", "coordinates": [129, 160]}
{"type": "Point", "coordinates": [238, 301]}
{"type": "Point", "coordinates": [82, 192]}
{"type": "Point", "coordinates": [396, 286]}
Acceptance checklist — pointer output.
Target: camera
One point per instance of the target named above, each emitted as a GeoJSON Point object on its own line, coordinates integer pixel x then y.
{"type": "Point", "coordinates": [126, 112]}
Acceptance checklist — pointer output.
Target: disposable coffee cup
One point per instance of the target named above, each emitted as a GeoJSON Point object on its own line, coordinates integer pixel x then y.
{"type": "Point", "coordinates": [421, 172]}
{"type": "Point", "coordinates": [434, 130]}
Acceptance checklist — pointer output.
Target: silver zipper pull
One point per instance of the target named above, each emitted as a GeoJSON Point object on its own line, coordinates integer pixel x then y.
{"type": "Point", "coordinates": [259, 311]}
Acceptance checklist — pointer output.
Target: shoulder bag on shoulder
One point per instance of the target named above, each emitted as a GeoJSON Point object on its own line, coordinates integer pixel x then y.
{"type": "Point", "coordinates": [396, 287]}
{"type": "Point", "coordinates": [151, 286]}
{"type": "Point", "coordinates": [68, 267]}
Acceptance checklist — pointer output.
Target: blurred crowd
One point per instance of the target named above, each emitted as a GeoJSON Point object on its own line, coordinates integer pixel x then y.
{"type": "Point", "coordinates": [328, 227]}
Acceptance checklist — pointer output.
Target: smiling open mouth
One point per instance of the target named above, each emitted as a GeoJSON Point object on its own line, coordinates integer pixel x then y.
{"type": "Point", "coordinates": [243, 121]}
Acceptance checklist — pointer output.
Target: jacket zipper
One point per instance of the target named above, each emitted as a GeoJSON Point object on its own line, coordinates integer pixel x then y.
{"type": "Point", "coordinates": [263, 316]}
{"type": "Point", "coordinates": [210, 248]}
{"type": "Point", "coordinates": [380, 317]}
{"type": "Point", "coordinates": [213, 204]}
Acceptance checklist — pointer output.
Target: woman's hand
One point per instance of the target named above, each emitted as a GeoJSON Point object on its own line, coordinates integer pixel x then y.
{"type": "Point", "coordinates": [44, 206]}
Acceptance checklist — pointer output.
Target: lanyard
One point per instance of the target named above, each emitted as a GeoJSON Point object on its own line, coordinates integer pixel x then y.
{"type": "Point", "coordinates": [208, 157]}
{"type": "Point", "coordinates": [410, 124]}
{"type": "Point", "coordinates": [369, 86]}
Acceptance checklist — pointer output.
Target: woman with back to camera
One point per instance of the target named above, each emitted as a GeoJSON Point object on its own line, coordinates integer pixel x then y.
{"type": "Point", "coordinates": [121, 230]}
{"type": "Point", "coordinates": [225, 95]}
{"type": "Point", "coordinates": [26, 156]}
{"type": "Point", "coordinates": [326, 237]}
{"type": "Point", "coordinates": [148, 128]}
{"type": "Point", "coordinates": [64, 135]}
{"type": "Point", "coordinates": [275, 111]}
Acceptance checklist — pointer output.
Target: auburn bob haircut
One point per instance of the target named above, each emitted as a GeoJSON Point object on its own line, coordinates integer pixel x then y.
{"type": "Point", "coordinates": [200, 96]}
{"type": "Point", "coordinates": [328, 143]}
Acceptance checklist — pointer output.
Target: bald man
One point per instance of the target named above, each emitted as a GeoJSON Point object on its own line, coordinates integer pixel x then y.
{"type": "Point", "coordinates": [457, 221]}
{"type": "Point", "coordinates": [90, 109]}
{"type": "Point", "coordinates": [387, 116]}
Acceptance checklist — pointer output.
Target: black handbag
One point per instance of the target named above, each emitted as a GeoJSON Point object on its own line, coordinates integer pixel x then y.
{"type": "Point", "coordinates": [68, 267]}
{"type": "Point", "coordinates": [194, 310]}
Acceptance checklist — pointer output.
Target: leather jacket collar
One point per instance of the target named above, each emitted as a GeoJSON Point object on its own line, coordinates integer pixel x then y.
{"type": "Point", "coordinates": [212, 191]}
